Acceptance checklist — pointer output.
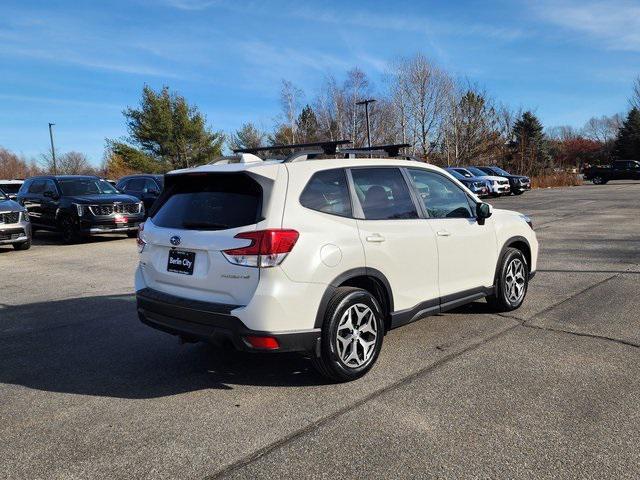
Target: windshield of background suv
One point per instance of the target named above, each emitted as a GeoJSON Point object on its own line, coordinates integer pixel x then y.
{"type": "Point", "coordinates": [477, 172]}
{"type": "Point", "coordinates": [10, 188]}
{"type": "Point", "coordinates": [500, 171]}
{"type": "Point", "coordinates": [86, 186]}
{"type": "Point", "coordinates": [455, 173]}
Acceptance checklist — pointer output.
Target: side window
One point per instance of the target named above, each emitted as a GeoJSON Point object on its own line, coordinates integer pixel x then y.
{"type": "Point", "coordinates": [383, 194]}
{"type": "Point", "coordinates": [328, 192]}
{"type": "Point", "coordinates": [49, 186]}
{"type": "Point", "coordinates": [136, 184]}
{"type": "Point", "coordinates": [150, 186]}
{"type": "Point", "coordinates": [440, 196]}
{"type": "Point", "coordinates": [37, 187]}
{"type": "Point", "coordinates": [122, 185]}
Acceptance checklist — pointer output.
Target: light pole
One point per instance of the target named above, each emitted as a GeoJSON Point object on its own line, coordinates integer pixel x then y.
{"type": "Point", "coordinates": [53, 149]}
{"type": "Point", "coordinates": [366, 111]}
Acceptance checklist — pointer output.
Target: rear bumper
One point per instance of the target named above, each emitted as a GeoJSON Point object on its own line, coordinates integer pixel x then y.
{"type": "Point", "coordinates": [212, 322]}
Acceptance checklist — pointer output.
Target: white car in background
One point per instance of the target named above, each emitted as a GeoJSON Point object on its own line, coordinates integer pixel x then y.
{"type": "Point", "coordinates": [11, 187]}
{"type": "Point", "coordinates": [323, 256]}
{"type": "Point", "coordinates": [497, 185]}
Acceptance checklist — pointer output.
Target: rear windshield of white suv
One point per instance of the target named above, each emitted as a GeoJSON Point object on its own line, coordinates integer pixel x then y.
{"type": "Point", "coordinates": [209, 202]}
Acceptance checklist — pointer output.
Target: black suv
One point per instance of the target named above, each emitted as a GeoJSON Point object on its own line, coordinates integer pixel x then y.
{"type": "Point", "coordinates": [144, 186]}
{"type": "Point", "coordinates": [518, 183]}
{"type": "Point", "coordinates": [78, 206]}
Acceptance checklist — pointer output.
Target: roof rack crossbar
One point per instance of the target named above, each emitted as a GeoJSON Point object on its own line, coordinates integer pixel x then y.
{"type": "Point", "coordinates": [393, 150]}
{"type": "Point", "coordinates": [328, 147]}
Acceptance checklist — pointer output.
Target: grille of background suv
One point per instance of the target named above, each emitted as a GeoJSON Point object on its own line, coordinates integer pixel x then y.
{"type": "Point", "coordinates": [115, 208]}
{"type": "Point", "coordinates": [10, 217]}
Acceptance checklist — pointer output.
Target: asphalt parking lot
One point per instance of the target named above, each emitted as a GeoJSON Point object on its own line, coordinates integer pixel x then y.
{"type": "Point", "coordinates": [549, 391]}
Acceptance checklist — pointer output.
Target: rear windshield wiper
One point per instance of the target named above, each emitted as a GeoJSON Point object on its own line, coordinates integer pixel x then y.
{"type": "Point", "coordinates": [205, 225]}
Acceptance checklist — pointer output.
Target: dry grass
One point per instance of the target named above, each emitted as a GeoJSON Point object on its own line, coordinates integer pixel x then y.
{"type": "Point", "coordinates": [551, 180]}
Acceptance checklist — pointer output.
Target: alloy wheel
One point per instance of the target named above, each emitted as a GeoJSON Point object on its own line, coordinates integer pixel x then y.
{"type": "Point", "coordinates": [356, 335]}
{"type": "Point", "coordinates": [515, 281]}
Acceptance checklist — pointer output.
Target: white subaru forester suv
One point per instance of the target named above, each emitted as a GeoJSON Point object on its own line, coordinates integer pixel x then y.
{"type": "Point", "coordinates": [322, 256]}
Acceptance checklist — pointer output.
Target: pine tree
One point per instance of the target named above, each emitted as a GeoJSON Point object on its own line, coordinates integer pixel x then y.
{"type": "Point", "coordinates": [307, 125]}
{"type": "Point", "coordinates": [627, 144]}
{"type": "Point", "coordinates": [168, 132]}
{"type": "Point", "coordinates": [247, 137]}
{"type": "Point", "coordinates": [531, 149]}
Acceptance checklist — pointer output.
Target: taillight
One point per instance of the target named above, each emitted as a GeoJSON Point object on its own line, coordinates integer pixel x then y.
{"type": "Point", "coordinates": [139, 240]}
{"type": "Point", "coordinates": [268, 248]}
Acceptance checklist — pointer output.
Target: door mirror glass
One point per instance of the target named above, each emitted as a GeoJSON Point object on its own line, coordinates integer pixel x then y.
{"type": "Point", "coordinates": [483, 210]}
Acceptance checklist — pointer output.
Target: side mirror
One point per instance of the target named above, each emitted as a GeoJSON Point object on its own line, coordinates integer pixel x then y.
{"type": "Point", "coordinates": [483, 211]}
{"type": "Point", "coordinates": [153, 191]}
{"type": "Point", "coordinates": [50, 194]}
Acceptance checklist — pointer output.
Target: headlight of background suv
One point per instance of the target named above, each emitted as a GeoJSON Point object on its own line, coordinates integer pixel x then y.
{"type": "Point", "coordinates": [79, 208]}
{"type": "Point", "coordinates": [141, 209]}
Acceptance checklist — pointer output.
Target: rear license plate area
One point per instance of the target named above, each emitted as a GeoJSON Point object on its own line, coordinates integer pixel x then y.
{"type": "Point", "coordinates": [181, 261]}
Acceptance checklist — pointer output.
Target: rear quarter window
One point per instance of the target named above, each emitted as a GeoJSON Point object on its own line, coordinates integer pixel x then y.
{"type": "Point", "coordinates": [328, 192]}
{"type": "Point", "coordinates": [209, 202]}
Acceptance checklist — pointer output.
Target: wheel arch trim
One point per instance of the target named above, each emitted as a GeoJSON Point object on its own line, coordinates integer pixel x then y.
{"type": "Point", "coordinates": [344, 277]}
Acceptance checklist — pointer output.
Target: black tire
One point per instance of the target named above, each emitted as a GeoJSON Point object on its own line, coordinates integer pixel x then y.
{"type": "Point", "coordinates": [22, 245]}
{"type": "Point", "coordinates": [504, 299]}
{"type": "Point", "coordinates": [598, 180]}
{"type": "Point", "coordinates": [330, 363]}
{"type": "Point", "coordinates": [518, 192]}
{"type": "Point", "coordinates": [132, 234]}
{"type": "Point", "coordinates": [69, 230]}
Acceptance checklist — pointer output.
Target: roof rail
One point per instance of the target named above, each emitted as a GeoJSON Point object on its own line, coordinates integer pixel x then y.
{"type": "Point", "coordinates": [393, 150]}
{"type": "Point", "coordinates": [328, 147]}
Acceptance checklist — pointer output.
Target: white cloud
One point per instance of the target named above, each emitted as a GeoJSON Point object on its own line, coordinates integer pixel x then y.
{"type": "Point", "coordinates": [614, 23]}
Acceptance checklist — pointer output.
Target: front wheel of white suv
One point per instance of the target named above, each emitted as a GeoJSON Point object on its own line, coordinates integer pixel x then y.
{"type": "Point", "coordinates": [512, 281]}
{"type": "Point", "coordinates": [351, 336]}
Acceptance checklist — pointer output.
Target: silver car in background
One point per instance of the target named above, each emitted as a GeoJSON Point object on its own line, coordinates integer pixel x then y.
{"type": "Point", "coordinates": [15, 227]}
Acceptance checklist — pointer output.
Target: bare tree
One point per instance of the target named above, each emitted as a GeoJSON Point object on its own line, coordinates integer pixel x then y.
{"type": "Point", "coordinates": [356, 88]}
{"type": "Point", "coordinates": [426, 89]}
{"type": "Point", "coordinates": [603, 129]}
{"type": "Point", "coordinates": [562, 133]}
{"type": "Point", "coordinates": [328, 108]}
{"type": "Point", "coordinates": [290, 98]}
{"type": "Point", "coordinates": [74, 163]}
{"type": "Point", "coordinates": [14, 167]}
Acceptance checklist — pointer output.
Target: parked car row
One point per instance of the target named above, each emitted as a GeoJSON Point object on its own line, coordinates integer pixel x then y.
{"type": "Point", "coordinates": [81, 205]}
{"type": "Point", "coordinates": [491, 181]}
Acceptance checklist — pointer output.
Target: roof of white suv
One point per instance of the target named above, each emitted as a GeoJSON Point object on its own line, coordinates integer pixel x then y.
{"type": "Point", "coordinates": [313, 164]}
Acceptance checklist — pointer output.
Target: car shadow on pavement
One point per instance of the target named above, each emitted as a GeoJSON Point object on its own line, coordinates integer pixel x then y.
{"type": "Point", "coordinates": [97, 346]}
{"type": "Point", "coordinates": [43, 237]}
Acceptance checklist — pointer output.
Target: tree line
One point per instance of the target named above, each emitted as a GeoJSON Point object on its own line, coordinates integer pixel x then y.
{"type": "Point", "coordinates": [446, 121]}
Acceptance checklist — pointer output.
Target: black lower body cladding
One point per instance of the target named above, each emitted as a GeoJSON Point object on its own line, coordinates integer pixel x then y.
{"type": "Point", "coordinates": [212, 322]}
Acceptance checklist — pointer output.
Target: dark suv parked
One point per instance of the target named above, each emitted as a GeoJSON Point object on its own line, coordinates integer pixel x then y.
{"type": "Point", "coordinates": [518, 183]}
{"type": "Point", "coordinates": [145, 187]}
{"type": "Point", "coordinates": [78, 206]}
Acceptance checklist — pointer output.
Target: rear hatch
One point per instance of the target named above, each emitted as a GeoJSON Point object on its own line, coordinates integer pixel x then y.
{"type": "Point", "coordinates": [194, 220]}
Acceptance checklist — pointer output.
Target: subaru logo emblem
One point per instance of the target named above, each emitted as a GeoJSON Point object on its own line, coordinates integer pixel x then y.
{"type": "Point", "coordinates": [175, 240]}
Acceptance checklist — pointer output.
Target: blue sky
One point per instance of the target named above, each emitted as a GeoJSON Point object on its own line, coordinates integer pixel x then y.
{"type": "Point", "coordinates": [79, 63]}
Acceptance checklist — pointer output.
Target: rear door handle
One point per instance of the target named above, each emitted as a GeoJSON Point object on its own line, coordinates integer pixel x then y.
{"type": "Point", "coordinates": [444, 233]}
{"type": "Point", "coordinates": [376, 238]}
